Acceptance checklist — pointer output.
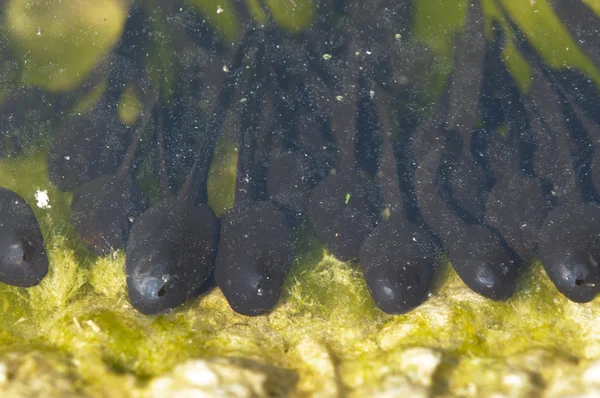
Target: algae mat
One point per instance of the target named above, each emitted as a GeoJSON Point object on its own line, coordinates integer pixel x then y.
{"type": "Point", "coordinates": [76, 334]}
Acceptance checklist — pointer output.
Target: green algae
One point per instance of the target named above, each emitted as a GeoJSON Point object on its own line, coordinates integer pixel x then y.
{"type": "Point", "coordinates": [326, 329]}
{"type": "Point", "coordinates": [58, 43]}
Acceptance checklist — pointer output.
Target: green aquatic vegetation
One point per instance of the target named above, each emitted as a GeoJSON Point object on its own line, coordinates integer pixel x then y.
{"type": "Point", "coordinates": [437, 23]}
{"type": "Point", "coordinates": [59, 42]}
{"type": "Point", "coordinates": [326, 329]}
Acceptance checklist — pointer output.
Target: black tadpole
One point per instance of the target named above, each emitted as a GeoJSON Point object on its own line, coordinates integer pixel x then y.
{"type": "Point", "coordinates": [289, 173]}
{"type": "Point", "coordinates": [477, 253]}
{"type": "Point", "coordinates": [87, 146]}
{"type": "Point", "coordinates": [398, 258]}
{"type": "Point", "coordinates": [465, 179]}
{"type": "Point", "coordinates": [172, 247]}
{"type": "Point", "coordinates": [23, 259]}
{"type": "Point", "coordinates": [568, 238]}
{"type": "Point", "coordinates": [104, 208]}
{"type": "Point", "coordinates": [94, 143]}
{"type": "Point", "coordinates": [516, 205]}
{"type": "Point", "coordinates": [340, 209]}
{"type": "Point", "coordinates": [256, 247]}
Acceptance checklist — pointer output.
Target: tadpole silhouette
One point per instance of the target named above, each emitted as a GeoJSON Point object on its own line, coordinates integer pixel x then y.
{"type": "Point", "coordinates": [517, 205]}
{"type": "Point", "coordinates": [104, 208]}
{"type": "Point", "coordinates": [568, 238]}
{"type": "Point", "coordinates": [464, 179]}
{"type": "Point", "coordinates": [256, 248]}
{"type": "Point", "coordinates": [289, 173]}
{"type": "Point", "coordinates": [340, 209]}
{"type": "Point", "coordinates": [477, 253]}
{"type": "Point", "coordinates": [94, 143]}
{"type": "Point", "coordinates": [23, 258]}
{"type": "Point", "coordinates": [398, 258]}
{"type": "Point", "coordinates": [171, 249]}
{"type": "Point", "coordinates": [24, 118]}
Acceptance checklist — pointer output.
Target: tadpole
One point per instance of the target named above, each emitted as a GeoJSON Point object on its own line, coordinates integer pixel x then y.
{"type": "Point", "coordinates": [568, 238]}
{"type": "Point", "coordinates": [23, 258]}
{"type": "Point", "coordinates": [477, 253]}
{"type": "Point", "coordinates": [94, 143]}
{"type": "Point", "coordinates": [340, 209]}
{"type": "Point", "coordinates": [464, 180]}
{"type": "Point", "coordinates": [516, 205]}
{"type": "Point", "coordinates": [172, 247]}
{"type": "Point", "coordinates": [104, 208]}
{"type": "Point", "coordinates": [256, 248]}
{"type": "Point", "coordinates": [398, 258]}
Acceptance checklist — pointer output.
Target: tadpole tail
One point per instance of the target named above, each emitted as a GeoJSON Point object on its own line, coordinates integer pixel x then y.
{"type": "Point", "coordinates": [387, 177]}
{"type": "Point", "coordinates": [553, 160]}
{"type": "Point", "coordinates": [127, 164]}
{"type": "Point", "coordinates": [205, 157]}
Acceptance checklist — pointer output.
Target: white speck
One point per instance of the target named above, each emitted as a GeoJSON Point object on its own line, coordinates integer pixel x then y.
{"type": "Point", "coordinates": [372, 93]}
{"type": "Point", "coordinates": [43, 201]}
{"type": "Point", "coordinates": [220, 10]}
{"type": "Point", "coordinates": [3, 373]}
{"type": "Point", "coordinates": [39, 31]}
{"type": "Point", "coordinates": [93, 325]}
{"type": "Point", "coordinates": [225, 69]}
{"type": "Point", "coordinates": [67, 157]}
{"type": "Point", "coordinates": [592, 373]}
{"type": "Point", "coordinates": [259, 292]}
{"type": "Point", "coordinates": [76, 322]}
{"type": "Point", "coordinates": [326, 57]}
{"type": "Point", "coordinates": [398, 36]}
{"type": "Point", "coordinates": [339, 98]}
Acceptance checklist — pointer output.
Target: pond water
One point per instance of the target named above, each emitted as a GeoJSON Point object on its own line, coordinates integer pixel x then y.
{"type": "Point", "coordinates": [203, 137]}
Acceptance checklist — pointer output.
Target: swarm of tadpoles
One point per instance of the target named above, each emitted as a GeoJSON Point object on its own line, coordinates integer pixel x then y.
{"type": "Point", "coordinates": [326, 139]}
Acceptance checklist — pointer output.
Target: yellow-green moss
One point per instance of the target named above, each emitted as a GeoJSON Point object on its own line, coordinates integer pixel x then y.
{"type": "Point", "coordinates": [326, 328]}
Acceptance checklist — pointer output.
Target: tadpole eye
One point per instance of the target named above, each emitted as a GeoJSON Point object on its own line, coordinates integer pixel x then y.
{"type": "Point", "coordinates": [579, 282]}
{"type": "Point", "coordinates": [162, 291]}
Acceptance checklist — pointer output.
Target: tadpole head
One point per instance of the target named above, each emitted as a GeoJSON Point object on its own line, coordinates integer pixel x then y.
{"type": "Point", "coordinates": [153, 293]}
{"type": "Point", "coordinates": [23, 258]}
{"type": "Point", "coordinates": [22, 262]}
{"type": "Point", "coordinates": [398, 260]}
{"type": "Point", "coordinates": [255, 254]}
{"type": "Point", "coordinates": [342, 215]}
{"type": "Point", "coordinates": [103, 211]}
{"type": "Point", "coordinates": [169, 255]}
{"type": "Point", "coordinates": [86, 147]}
{"type": "Point", "coordinates": [569, 249]}
{"type": "Point", "coordinates": [483, 262]}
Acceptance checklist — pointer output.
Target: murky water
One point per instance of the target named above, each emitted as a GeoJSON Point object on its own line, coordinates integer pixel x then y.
{"type": "Point", "coordinates": [200, 137]}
